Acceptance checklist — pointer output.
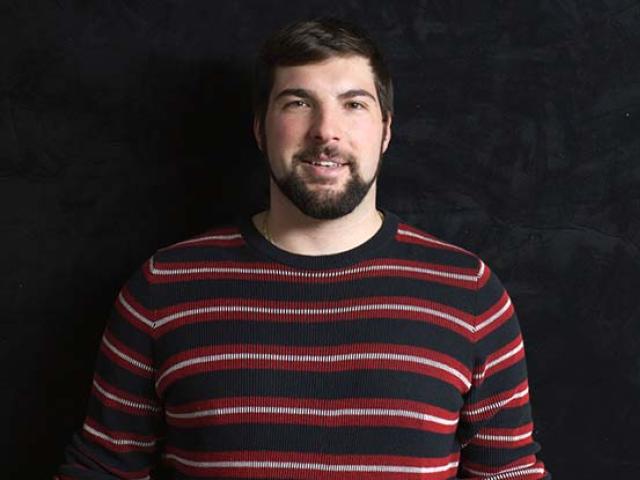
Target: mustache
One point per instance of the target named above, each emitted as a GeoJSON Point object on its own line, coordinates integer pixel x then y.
{"type": "Point", "coordinates": [314, 152]}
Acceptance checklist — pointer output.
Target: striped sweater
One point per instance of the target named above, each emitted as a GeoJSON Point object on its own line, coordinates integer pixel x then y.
{"type": "Point", "coordinates": [227, 357]}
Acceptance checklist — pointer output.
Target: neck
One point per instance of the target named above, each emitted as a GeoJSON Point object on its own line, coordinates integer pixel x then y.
{"type": "Point", "coordinates": [291, 230]}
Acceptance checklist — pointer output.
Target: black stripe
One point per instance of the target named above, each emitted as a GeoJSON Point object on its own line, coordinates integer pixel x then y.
{"type": "Point", "coordinates": [310, 439]}
{"type": "Point", "coordinates": [380, 330]}
{"type": "Point", "coordinates": [340, 385]}
{"type": "Point", "coordinates": [296, 290]}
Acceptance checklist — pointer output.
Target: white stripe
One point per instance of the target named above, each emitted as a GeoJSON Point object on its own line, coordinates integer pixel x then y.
{"type": "Point", "coordinates": [314, 411]}
{"type": "Point", "coordinates": [430, 240]}
{"type": "Point", "coordinates": [305, 274]}
{"type": "Point", "coordinates": [504, 438]}
{"type": "Point", "coordinates": [117, 441]}
{"type": "Point", "coordinates": [133, 312]}
{"type": "Point", "coordinates": [122, 401]}
{"type": "Point", "coordinates": [498, 360]}
{"type": "Point", "coordinates": [497, 405]}
{"type": "Point", "coordinates": [232, 236]}
{"type": "Point", "coordinates": [314, 311]}
{"type": "Point", "coordinates": [126, 357]}
{"type": "Point", "coordinates": [506, 470]}
{"type": "Point", "coordinates": [495, 316]}
{"type": "Point", "coordinates": [514, 474]}
{"type": "Point", "coordinates": [480, 270]}
{"type": "Point", "coordinates": [324, 467]}
{"type": "Point", "coordinates": [314, 359]}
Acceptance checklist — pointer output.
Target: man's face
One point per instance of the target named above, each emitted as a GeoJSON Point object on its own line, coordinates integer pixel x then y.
{"type": "Point", "coordinates": [323, 135]}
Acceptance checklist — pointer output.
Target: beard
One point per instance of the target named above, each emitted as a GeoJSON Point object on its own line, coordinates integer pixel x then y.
{"type": "Point", "coordinates": [325, 204]}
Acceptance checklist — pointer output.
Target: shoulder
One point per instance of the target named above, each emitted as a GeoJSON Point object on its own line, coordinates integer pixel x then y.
{"type": "Point", "coordinates": [222, 236]}
{"type": "Point", "coordinates": [216, 243]}
{"type": "Point", "coordinates": [418, 244]}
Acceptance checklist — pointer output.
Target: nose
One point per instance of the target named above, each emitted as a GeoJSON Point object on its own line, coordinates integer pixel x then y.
{"type": "Point", "coordinates": [326, 126]}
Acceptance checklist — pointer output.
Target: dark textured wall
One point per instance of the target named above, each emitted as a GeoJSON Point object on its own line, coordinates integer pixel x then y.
{"type": "Point", "coordinates": [125, 125]}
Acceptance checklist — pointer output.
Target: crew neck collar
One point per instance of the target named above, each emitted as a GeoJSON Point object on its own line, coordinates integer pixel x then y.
{"type": "Point", "coordinates": [256, 241]}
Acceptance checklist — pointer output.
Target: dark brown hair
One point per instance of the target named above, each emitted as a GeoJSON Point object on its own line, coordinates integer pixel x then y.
{"type": "Point", "coordinates": [312, 41]}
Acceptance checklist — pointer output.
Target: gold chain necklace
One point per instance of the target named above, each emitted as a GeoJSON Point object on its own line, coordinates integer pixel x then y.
{"type": "Point", "coordinates": [265, 227]}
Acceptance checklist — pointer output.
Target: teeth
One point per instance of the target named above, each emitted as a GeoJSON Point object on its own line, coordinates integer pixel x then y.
{"type": "Point", "coordinates": [325, 164]}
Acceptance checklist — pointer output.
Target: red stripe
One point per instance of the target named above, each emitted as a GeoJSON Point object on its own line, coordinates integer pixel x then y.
{"type": "Point", "coordinates": [306, 458]}
{"type": "Point", "coordinates": [205, 242]}
{"type": "Point", "coordinates": [431, 241]}
{"type": "Point", "coordinates": [512, 360]}
{"type": "Point", "coordinates": [302, 457]}
{"type": "Point", "coordinates": [317, 420]}
{"type": "Point", "coordinates": [503, 318]}
{"type": "Point", "coordinates": [353, 348]}
{"type": "Point", "coordinates": [411, 228]}
{"type": "Point", "coordinates": [396, 312]}
{"type": "Point", "coordinates": [201, 240]}
{"type": "Point", "coordinates": [316, 366]}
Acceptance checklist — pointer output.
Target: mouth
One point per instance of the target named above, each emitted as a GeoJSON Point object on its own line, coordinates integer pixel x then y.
{"type": "Point", "coordinates": [325, 164]}
{"type": "Point", "coordinates": [325, 167]}
{"type": "Point", "coordinates": [325, 161]}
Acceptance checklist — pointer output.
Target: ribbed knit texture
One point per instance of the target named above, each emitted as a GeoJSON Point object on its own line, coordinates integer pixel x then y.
{"type": "Point", "coordinates": [227, 357]}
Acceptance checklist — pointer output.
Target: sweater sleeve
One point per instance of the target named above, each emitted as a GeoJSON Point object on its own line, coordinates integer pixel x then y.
{"type": "Point", "coordinates": [496, 427]}
{"type": "Point", "coordinates": [122, 428]}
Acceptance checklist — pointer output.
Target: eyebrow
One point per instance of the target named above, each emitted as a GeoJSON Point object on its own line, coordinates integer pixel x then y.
{"type": "Point", "coordinates": [302, 93]}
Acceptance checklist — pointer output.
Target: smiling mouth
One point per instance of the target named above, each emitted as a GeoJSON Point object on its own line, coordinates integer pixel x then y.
{"type": "Point", "coordinates": [324, 163]}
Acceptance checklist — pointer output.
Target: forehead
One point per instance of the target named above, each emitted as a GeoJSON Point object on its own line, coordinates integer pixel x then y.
{"type": "Point", "coordinates": [333, 75]}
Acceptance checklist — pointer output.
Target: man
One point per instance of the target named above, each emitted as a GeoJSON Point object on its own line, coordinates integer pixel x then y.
{"type": "Point", "coordinates": [322, 338]}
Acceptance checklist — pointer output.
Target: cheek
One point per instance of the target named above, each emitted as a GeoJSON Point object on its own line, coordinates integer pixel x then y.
{"type": "Point", "coordinates": [284, 134]}
{"type": "Point", "coordinates": [368, 138]}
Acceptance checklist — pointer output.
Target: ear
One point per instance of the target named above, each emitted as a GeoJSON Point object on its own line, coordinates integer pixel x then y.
{"type": "Point", "coordinates": [257, 131]}
{"type": "Point", "coordinates": [386, 132]}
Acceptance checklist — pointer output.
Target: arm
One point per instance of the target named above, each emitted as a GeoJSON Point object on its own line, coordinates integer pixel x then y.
{"type": "Point", "coordinates": [123, 425]}
{"type": "Point", "coordinates": [496, 425]}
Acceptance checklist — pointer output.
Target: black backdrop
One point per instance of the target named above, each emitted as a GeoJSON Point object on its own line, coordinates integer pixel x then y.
{"type": "Point", "coordinates": [125, 125]}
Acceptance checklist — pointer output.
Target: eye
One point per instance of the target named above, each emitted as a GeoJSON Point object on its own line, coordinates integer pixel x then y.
{"type": "Point", "coordinates": [356, 105]}
{"type": "Point", "coordinates": [296, 104]}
